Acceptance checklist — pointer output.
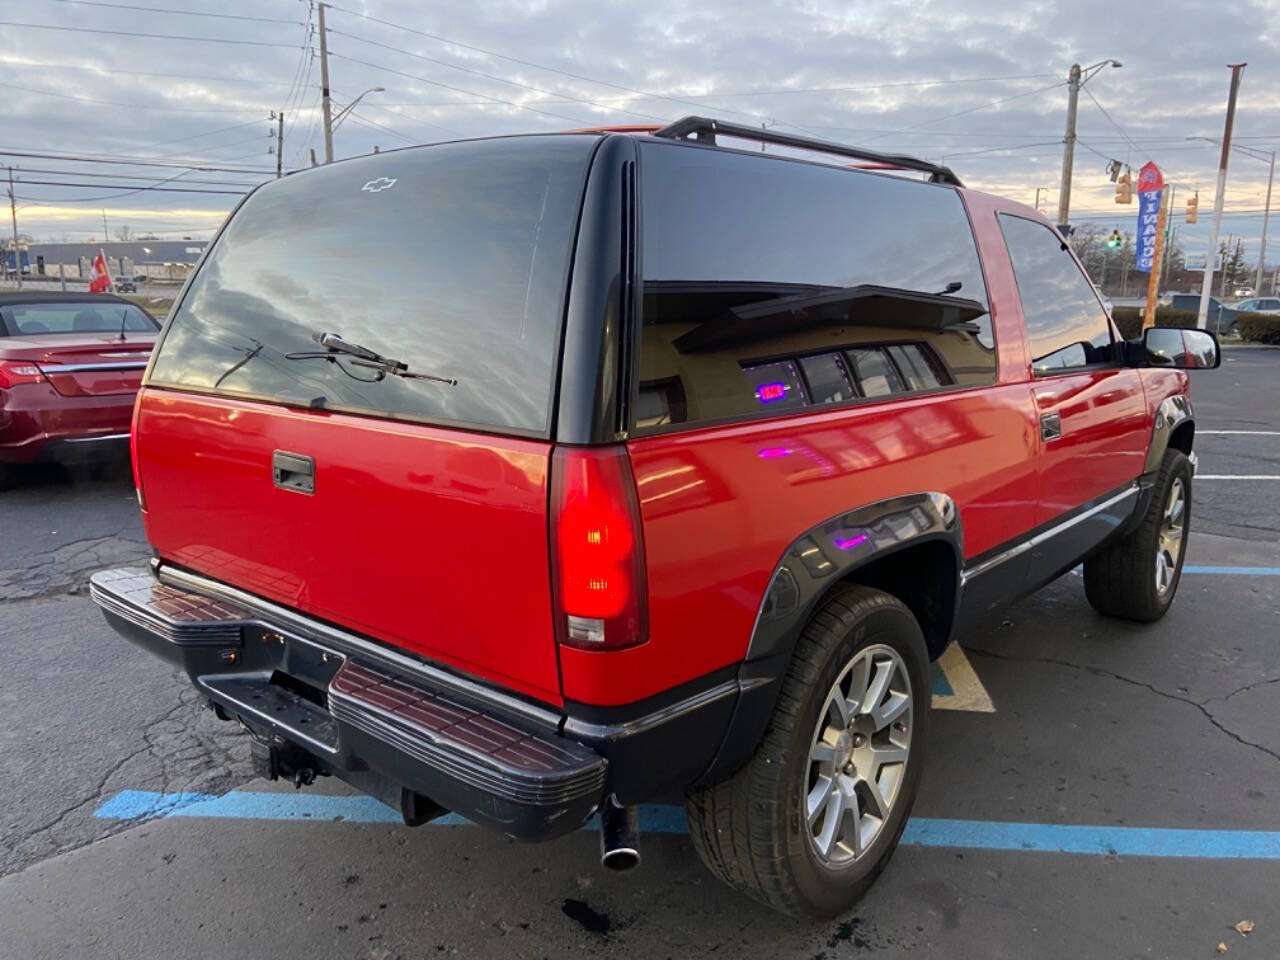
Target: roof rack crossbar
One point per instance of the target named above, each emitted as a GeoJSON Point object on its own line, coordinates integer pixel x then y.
{"type": "Point", "coordinates": [704, 130]}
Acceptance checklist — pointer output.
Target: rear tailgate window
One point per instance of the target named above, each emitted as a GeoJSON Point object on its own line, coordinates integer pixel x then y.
{"type": "Point", "coordinates": [452, 258]}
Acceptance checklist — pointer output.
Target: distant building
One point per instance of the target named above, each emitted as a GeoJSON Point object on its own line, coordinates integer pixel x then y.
{"type": "Point", "coordinates": [157, 259]}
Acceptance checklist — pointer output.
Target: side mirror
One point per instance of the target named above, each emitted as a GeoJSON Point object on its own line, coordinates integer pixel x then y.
{"type": "Point", "coordinates": [1180, 348]}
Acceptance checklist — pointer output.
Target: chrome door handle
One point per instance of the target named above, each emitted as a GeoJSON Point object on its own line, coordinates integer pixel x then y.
{"type": "Point", "coordinates": [1050, 427]}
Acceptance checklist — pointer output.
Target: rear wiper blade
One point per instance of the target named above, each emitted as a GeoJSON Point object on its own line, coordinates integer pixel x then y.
{"type": "Point", "coordinates": [334, 345]}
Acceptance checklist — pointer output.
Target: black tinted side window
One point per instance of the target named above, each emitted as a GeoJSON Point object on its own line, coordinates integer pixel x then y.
{"type": "Point", "coordinates": [772, 285]}
{"type": "Point", "coordinates": [1066, 325]}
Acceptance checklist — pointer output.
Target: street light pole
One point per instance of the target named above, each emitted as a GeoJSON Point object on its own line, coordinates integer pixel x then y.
{"type": "Point", "coordinates": [346, 111]}
{"type": "Point", "coordinates": [1069, 144]}
{"type": "Point", "coordinates": [324, 87]}
{"type": "Point", "coordinates": [13, 212]}
{"type": "Point", "coordinates": [1266, 215]}
{"type": "Point", "coordinates": [1206, 287]}
{"type": "Point", "coordinates": [1076, 78]}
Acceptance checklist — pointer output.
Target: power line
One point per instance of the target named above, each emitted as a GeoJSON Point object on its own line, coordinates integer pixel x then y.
{"type": "Point", "coordinates": [374, 124]}
{"type": "Point", "coordinates": [128, 188]}
{"type": "Point", "coordinates": [149, 36]}
{"type": "Point", "coordinates": [185, 13]}
{"type": "Point", "coordinates": [128, 162]}
{"type": "Point", "coordinates": [471, 93]}
{"type": "Point", "coordinates": [490, 76]}
{"type": "Point", "coordinates": [141, 73]}
{"type": "Point", "coordinates": [130, 176]}
{"type": "Point", "coordinates": [1112, 119]}
{"type": "Point", "coordinates": [131, 106]}
{"type": "Point", "coordinates": [982, 106]}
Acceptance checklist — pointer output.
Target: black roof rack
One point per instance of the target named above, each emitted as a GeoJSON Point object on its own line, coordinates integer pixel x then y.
{"type": "Point", "coordinates": [704, 130]}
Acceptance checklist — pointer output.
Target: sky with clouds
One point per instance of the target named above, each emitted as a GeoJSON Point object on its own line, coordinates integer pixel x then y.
{"type": "Point", "coordinates": [978, 85]}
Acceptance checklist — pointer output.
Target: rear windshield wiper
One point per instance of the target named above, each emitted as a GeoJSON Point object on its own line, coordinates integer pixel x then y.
{"type": "Point", "coordinates": [335, 346]}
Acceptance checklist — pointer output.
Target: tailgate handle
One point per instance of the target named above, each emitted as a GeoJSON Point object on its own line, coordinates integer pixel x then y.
{"type": "Point", "coordinates": [293, 471]}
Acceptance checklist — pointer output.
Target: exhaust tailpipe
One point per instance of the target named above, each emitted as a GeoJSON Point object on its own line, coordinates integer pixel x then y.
{"type": "Point", "coordinates": [619, 837]}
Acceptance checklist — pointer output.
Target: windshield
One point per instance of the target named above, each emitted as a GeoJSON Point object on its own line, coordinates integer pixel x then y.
{"type": "Point", "coordinates": [452, 259]}
{"type": "Point", "coordinates": [39, 319]}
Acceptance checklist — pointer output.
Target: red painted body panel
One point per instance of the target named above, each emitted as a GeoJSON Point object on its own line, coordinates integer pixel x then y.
{"type": "Point", "coordinates": [70, 406]}
{"type": "Point", "coordinates": [432, 540]}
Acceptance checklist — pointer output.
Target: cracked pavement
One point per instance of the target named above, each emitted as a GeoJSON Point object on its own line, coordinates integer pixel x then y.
{"type": "Point", "coordinates": [1175, 724]}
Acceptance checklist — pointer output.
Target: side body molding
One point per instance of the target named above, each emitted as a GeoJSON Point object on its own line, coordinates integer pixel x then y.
{"type": "Point", "coordinates": [812, 565]}
{"type": "Point", "coordinates": [1172, 413]}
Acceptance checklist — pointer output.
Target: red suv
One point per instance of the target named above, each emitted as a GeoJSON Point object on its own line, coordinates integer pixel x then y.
{"type": "Point", "coordinates": [538, 477]}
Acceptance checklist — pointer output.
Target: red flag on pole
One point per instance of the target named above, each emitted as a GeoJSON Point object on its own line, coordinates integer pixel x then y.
{"type": "Point", "coordinates": [99, 278]}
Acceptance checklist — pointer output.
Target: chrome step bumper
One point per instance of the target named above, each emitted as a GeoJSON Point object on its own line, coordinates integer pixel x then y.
{"type": "Point", "coordinates": [355, 706]}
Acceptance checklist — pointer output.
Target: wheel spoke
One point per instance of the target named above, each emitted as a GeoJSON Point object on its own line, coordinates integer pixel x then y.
{"type": "Point", "coordinates": [859, 677]}
{"type": "Point", "coordinates": [877, 803]}
{"type": "Point", "coordinates": [1176, 510]}
{"type": "Point", "coordinates": [817, 799]}
{"type": "Point", "coordinates": [849, 810]}
{"type": "Point", "coordinates": [889, 711]}
{"type": "Point", "coordinates": [890, 753]}
{"type": "Point", "coordinates": [879, 686]}
{"type": "Point", "coordinates": [824, 752]}
{"type": "Point", "coordinates": [840, 710]}
{"type": "Point", "coordinates": [831, 822]}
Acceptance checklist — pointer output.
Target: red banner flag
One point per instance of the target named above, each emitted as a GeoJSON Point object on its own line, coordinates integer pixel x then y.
{"type": "Point", "coordinates": [99, 278]}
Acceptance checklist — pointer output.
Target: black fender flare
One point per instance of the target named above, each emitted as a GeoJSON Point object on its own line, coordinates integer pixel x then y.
{"type": "Point", "coordinates": [812, 565]}
{"type": "Point", "coordinates": [1172, 413]}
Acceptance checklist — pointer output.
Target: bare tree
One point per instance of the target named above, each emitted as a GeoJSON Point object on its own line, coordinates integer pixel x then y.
{"type": "Point", "coordinates": [123, 233]}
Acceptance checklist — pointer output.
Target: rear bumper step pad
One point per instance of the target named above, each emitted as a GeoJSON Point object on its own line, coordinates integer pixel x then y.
{"type": "Point", "coordinates": [474, 757]}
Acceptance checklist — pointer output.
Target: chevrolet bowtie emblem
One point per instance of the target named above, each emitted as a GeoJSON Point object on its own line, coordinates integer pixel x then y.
{"type": "Point", "coordinates": [382, 183]}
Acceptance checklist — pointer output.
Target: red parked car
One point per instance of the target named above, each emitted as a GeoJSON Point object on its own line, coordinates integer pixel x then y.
{"type": "Point", "coordinates": [70, 367]}
{"type": "Point", "coordinates": [538, 477]}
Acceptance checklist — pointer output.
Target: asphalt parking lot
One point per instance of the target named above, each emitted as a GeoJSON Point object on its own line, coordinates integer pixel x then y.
{"type": "Point", "coordinates": [1121, 800]}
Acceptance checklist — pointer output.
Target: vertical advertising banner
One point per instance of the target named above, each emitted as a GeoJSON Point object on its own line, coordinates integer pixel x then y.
{"type": "Point", "coordinates": [1150, 192]}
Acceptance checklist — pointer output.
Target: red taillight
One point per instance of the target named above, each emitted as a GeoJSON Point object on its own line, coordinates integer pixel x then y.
{"type": "Point", "coordinates": [133, 452]}
{"type": "Point", "coordinates": [14, 372]}
{"type": "Point", "coordinates": [602, 603]}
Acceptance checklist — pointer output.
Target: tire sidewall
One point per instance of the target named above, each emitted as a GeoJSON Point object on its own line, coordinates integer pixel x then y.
{"type": "Point", "coordinates": [1177, 466]}
{"type": "Point", "coordinates": [831, 891]}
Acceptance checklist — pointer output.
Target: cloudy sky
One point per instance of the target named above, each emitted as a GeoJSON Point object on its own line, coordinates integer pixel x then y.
{"type": "Point", "coordinates": [978, 85]}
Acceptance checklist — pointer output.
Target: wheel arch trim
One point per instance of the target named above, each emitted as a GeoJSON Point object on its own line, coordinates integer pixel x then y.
{"type": "Point", "coordinates": [1172, 413]}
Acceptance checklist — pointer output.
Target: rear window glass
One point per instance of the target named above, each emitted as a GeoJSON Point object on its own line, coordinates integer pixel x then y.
{"type": "Point", "coordinates": [452, 259]}
{"type": "Point", "coordinates": [772, 285]}
{"type": "Point", "coordinates": [36, 319]}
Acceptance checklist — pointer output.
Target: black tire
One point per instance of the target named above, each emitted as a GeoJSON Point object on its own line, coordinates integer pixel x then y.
{"type": "Point", "coordinates": [1121, 581]}
{"type": "Point", "coordinates": [751, 830]}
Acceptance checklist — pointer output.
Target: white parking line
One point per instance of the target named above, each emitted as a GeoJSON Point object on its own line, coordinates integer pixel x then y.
{"type": "Point", "coordinates": [1238, 476]}
{"type": "Point", "coordinates": [1240, 433]}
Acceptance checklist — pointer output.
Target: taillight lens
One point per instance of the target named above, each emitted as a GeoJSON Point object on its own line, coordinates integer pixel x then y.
{"type": "Point", "coordinates": [14, 372]}
{"type": "Point", "coordinates": [133, 452]}
{"type": "Point", "coordinates": [602, 603]}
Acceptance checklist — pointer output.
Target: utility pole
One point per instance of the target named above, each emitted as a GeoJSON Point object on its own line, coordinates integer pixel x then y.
{"type": "Point", "coordinates": [1040, 190]}
{"type": "Point", "coordinates": [1266, 215]}
{"type": "Point", "coordinates": [326, 110]}
{"type": "Point", "coordinates": [13, 212]}
{"type": "Point", "coordinates": [1069, 145]}
{"type": "Point", "coordinates": [279, 144]}
{"type": "Point", "coordinates": [1206, 288]}
{"type": "Point", "coordinates": [105, 238]}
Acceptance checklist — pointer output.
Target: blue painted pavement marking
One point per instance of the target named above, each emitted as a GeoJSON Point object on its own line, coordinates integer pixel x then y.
{"type": "Point", "coordinates": [941, 687]}
{"type": "Point", "coordinates": [1237, 571]}
{"type": "Point", "coordinates": [920, 832]}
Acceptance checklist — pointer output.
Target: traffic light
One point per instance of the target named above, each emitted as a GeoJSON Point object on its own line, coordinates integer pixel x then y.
{"type": "Point", "coordinates": [1124, 188]}
{"type": "Point", "coordinates": [1193, 208]}
{"type": "Point", "coordinates": [1115, 241]}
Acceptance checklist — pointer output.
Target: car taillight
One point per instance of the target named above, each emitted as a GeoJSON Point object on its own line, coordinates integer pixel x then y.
{"type": "Point", "coordinates": [14, 372]}
{"type": "Point", "coordinates": [601, 599]}
{"type": "Point", "coordinates": [133, 452]}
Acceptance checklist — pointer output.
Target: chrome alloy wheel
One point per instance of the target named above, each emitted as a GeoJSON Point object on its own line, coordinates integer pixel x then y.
{"type": "Point", "coordinates": [1169, 546]}
{"type": "Point", "coordinates": [858, 755]}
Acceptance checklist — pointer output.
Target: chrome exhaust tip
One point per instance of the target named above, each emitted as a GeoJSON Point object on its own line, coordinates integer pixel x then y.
{"type": "Point", "coordinates": [619, 837]}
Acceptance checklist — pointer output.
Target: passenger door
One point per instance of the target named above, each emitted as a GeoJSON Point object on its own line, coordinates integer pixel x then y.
{"type": "Point", "coordinates": [1091, 409]}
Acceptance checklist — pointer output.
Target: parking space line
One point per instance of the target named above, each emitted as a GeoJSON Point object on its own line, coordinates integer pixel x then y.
{"type": "Point", "coordinates": [1086, 839]}
{"type": "Point", "coordinates": [1237, 476]}
{"type": "Point", "coordinates": [1232, 571]}
{"type": "Point", "coordinates": [964, 690]}
{"type": "Point", "coordinates": [1242, 433]}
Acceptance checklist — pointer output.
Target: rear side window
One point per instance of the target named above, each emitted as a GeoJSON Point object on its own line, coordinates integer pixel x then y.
{"type": "Point", "coordinates": [1067, 326]}
{"type": "Point", "coordinates": [773, 285]}
{"type": "Point", "coordinates": [452, 259]}
{"type": "Point", "coordinates": [38, 319]}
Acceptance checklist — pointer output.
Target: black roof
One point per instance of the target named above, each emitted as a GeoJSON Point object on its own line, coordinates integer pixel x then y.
{"type": "Point", "coordinates": [9, 298]}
